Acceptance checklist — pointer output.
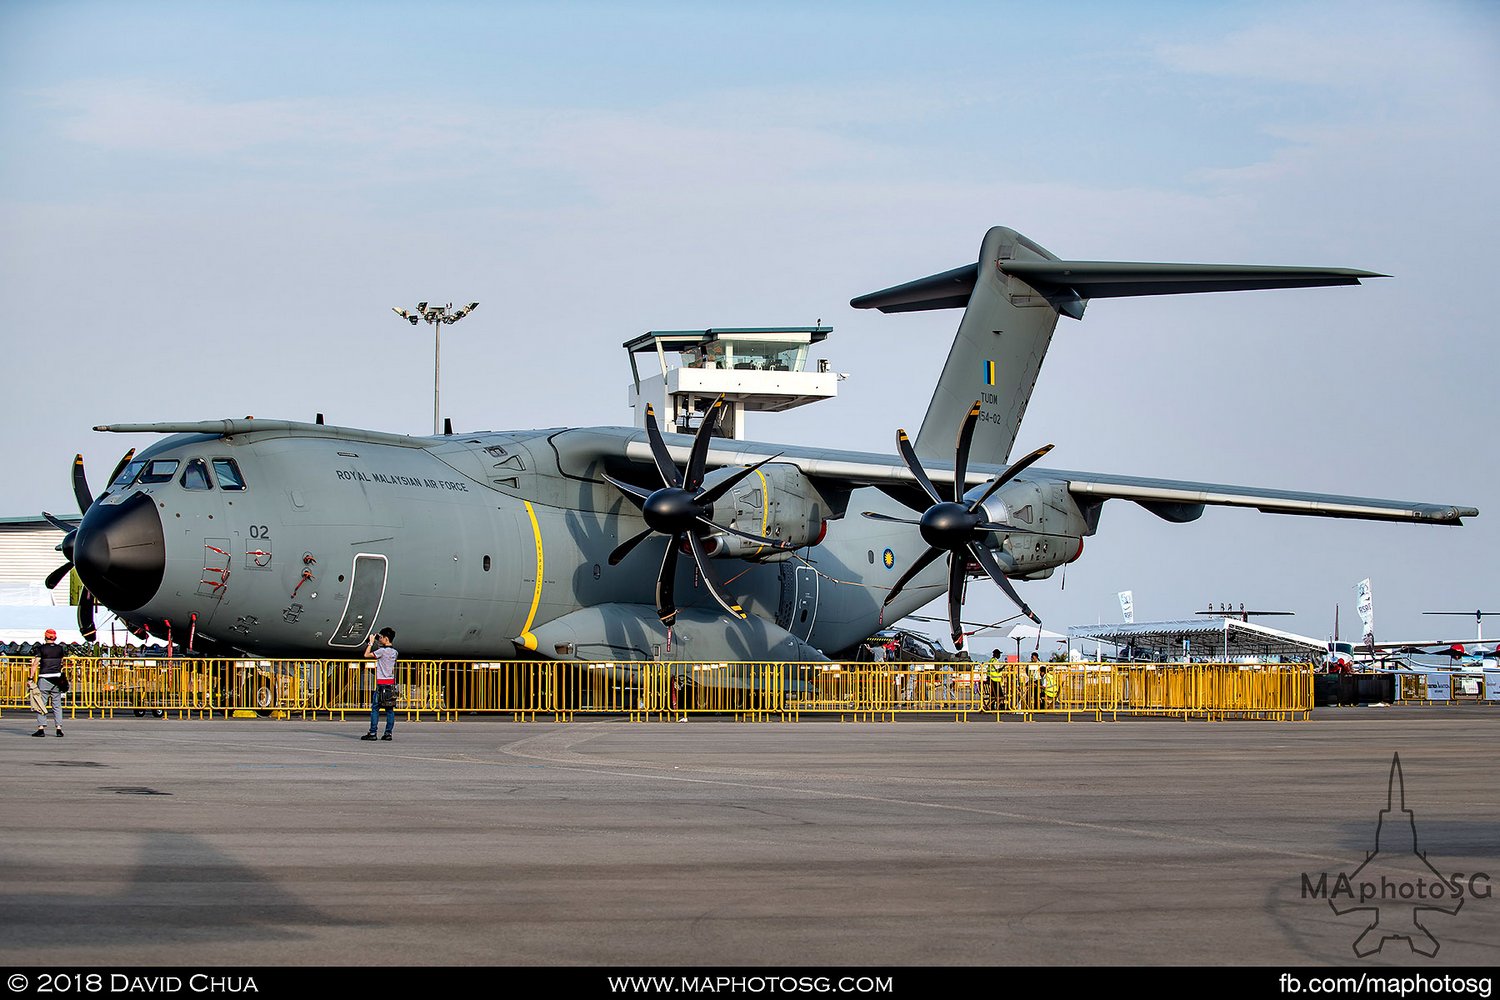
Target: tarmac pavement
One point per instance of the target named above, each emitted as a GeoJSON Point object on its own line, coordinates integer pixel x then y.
{"type": "Point", "coordinates": [145, 842]}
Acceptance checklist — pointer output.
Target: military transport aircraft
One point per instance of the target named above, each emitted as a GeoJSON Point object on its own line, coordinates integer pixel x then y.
{"type": "Point", "coordinates": [276, 537]}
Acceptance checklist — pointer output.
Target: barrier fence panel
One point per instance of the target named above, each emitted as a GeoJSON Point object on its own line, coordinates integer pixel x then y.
{"type": "Point", "coordinates": [658, 691]}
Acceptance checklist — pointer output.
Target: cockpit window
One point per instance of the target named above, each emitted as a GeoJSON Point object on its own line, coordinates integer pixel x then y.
{"type": "Point", "coordinates": [127, 475]}
{"type": "Point", "coordinates": [159, 470]}
{"type": "Point", "coordinates": [228, 472]}
{"type": "Point", "coordinates": [195, 476]}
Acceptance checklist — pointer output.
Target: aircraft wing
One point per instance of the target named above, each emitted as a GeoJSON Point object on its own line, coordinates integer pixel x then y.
{"type": "Point", "coordinates": [1173, 500]}
{"type": "Point", "coordinates": [1182, 497]}
{"type": "Point", "coordinates": [1396, 647]}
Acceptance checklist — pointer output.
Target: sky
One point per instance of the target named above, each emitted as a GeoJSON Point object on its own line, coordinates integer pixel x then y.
{"type": "Point", "coordinates": [209, 210]}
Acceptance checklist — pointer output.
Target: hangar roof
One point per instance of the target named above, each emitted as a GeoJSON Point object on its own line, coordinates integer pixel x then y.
{"type": "Point", "coordinates": [1216, 638]}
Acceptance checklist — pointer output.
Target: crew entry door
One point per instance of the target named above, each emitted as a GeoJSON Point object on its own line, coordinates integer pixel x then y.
{"type": "Point", "coordinates": [806, 611]}
{"type": "Point", "coordinates": [366, 592]}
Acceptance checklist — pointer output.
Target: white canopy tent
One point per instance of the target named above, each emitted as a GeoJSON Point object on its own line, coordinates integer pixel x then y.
{"type": "Point", "coordinates": [1027, 638]}
{"type": "Point", "coordinates": [1031, 638]}
{"type": "Point", "coordinates": [22, 623]}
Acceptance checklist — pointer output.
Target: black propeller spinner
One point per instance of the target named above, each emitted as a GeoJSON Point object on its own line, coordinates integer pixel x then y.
{"type": "Point", "coordinates": [85, 499]}
{"type": "Point", "coordinates": [950, 526]}
{"type": "Point", "coordinates": [680, 510]}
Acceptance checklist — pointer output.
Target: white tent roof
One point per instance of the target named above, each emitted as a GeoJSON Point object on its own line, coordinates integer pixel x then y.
{"type": "Point", "coordinates": [1225, 637]}
{"type": "Point", "coordinates": [1028, 632]}
{"type": "Point", "coordinates": [27, 622]}
{"type": "Point", "coordinates": [1025, 633]}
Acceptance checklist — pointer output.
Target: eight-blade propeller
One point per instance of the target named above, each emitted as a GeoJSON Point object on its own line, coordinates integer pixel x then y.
{"type": "Point", "coordinates": [680, 510]}
{"type": "Point", "coordinates": [950, 526]}
{"type": "Point", "coordinates": [85, 500]}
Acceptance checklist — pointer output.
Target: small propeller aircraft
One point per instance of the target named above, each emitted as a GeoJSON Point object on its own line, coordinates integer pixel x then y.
{"type": "Point", "coordinates": [1461, 654]}
{"type": "Point", "coordinates": [1473, 656]}
{"type": "Point", "coordinates": [1458, 647]}
{"type": "Point", "coordinates": [284, 538]}
{"type": "Point", "coordinates": [1465, 654]}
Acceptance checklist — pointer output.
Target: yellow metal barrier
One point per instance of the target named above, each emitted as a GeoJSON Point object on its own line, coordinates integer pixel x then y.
{"type": "Point", "coordinates": [657, 691]}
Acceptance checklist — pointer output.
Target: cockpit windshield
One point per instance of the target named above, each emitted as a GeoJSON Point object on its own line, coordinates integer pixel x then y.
{"type": "Point", "coordinates": [159, 470]}
{"type": "Point", "coordinates": [195, 476]}
{"type": "Point", "coordinates": [228, 471]}
{"type": "Point", "coordinates": [127, 475]}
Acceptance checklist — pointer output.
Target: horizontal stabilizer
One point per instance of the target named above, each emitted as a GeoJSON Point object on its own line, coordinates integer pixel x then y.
{"type": "Point", "coordinates": [949, 290]}
{"type": "Point", "coordinates": [1093, 279]}
{"type": "Point", "coordinates": [1069, 283]}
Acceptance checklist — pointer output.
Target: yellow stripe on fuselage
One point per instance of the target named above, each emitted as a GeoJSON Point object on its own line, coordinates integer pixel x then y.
{"type": "Point", "coordinates": [765, 507]}
{"type": "Point", "coordinates": [527, 639]}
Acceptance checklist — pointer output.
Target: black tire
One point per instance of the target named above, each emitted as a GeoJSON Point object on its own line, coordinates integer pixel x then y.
{"type": "Point", "coordinates": [140, 713]}
{"type": "Point", "coordinates": [158, 713]}
{"type": "Point", "coordinates": [265, 700]}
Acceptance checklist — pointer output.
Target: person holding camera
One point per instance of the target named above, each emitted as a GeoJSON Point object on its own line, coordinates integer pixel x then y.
{"type": "Point", "coordinates": [47, 674]}
{"type": "Point", "coordinates": [381, 648]}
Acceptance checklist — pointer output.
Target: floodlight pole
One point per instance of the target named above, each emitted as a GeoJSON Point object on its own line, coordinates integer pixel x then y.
{"type": "Point", "coordinates": [437, 350]}
{"type": "Point", "coordinates": [437, 316]}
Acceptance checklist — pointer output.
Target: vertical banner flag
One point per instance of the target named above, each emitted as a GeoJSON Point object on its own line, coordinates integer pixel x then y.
{"type": "Point", "coordinates": [1127, 606]}
{"type": "Point", "coordinates": [1366, 611]}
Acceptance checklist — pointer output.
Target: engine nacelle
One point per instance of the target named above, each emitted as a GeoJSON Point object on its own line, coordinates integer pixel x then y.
{"type": "Point", "coordinates": [1051, 527]}
{"type": "Point", "coordinates": [776, 501]}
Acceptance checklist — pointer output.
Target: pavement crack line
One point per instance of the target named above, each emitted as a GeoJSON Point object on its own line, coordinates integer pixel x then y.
{"type": "Point", "coordinates": [557, 748]}
{"type": "Point", "coordinates": [565, 756]}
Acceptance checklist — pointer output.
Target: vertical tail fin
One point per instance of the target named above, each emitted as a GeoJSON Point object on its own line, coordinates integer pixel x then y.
{"type": "Point", "coordinates": [997, 353]}
{"type": "Point", "coordinates": [1012, 297]}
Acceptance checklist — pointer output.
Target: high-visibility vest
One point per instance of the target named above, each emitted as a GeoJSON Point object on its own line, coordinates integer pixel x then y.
{"type": "Point", "coordinates": [1049, 684]}
{"type": "Point", "coordinates": [994, 670]}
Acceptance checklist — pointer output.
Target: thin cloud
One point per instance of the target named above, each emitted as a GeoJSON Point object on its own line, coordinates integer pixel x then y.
{"type": "Point", "coordinates": [137, 116]}
{"type": "Point", "coordinates": [1357, 47]}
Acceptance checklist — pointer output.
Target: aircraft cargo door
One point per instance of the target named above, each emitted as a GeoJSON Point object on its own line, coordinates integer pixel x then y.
{"type": "Point", "coordinates": [366, 591]}
{"type": "Point", "coordinates": [807, 603]}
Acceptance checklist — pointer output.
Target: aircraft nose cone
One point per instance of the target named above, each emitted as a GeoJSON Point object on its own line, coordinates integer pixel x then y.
{"type": "Point", "coordinates": [120, 552]}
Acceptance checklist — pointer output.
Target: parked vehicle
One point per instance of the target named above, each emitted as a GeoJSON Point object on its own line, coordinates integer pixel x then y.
{"type": "Point", "coordinates": [903, 646]}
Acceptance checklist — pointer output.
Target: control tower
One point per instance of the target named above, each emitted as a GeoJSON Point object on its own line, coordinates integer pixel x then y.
{"type": "Point", "coordinates": [755, 368]}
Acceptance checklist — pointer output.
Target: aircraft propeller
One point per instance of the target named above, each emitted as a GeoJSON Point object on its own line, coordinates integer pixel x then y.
{"type": "Point", "coordinates": [85, 499]}
{"type": "Point", "coordinates": [680, 510]}
{"type": "Point", "coordinates": [950, 526]}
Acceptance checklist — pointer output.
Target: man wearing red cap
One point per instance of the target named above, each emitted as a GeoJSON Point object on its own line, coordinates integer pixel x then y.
{"type": "Point", "coordinates": [47, 674]}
